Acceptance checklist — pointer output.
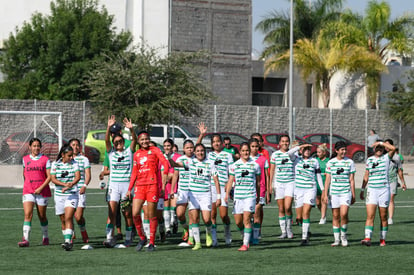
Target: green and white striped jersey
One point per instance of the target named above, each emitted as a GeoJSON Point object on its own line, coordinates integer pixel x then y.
{"type": "Point", "coordinates": [83, 163]}
{"type": "Point", "coordinates": [184, 173]}
{"type": "Point", "coordinates": [395, 165]}
{"type": "Point", "coordinates": [201, 175]}
{"type": "Point", "coordinates": [284, 172]}
{"type": "Point", "coordinates": [378, 171]}
{"type": "Point", "coordinates": [306, 173]}
{"type": "Point", "coordinates": [222, 161]}
{"type": "Point", "coordinates": [64, 172]}
{"type": "Point", "coordinates": [120, 165]}
{"type": "Point", "coordinates": [245, 178]}
{"type": "Point", "coordinates": [340, 171]}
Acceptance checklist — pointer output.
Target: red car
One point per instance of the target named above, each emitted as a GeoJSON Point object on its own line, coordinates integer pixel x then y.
{"type": "Point", "coordinates": [273, 141]}
{"type": "Point", "coordinates": [355, 151]}
{"type": "Point", "coordinates": [15, 146]}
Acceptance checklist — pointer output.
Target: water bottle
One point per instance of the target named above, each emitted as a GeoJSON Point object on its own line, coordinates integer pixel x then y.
{"type": "Point", "coordinates": [102, 184]}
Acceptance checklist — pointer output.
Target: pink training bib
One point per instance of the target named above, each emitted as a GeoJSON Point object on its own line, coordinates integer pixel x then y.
{"type": "Point", "coordinates": [35, 175]}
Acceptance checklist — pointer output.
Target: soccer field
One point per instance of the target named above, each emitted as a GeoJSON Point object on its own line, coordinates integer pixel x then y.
{"type": "Point", "coordinates": [271, 256]}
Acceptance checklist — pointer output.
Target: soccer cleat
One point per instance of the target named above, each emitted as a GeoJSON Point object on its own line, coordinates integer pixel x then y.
{"type": "Point", "coordinates": [366, 242]}
{"type": "Point", "coordinates": [162, 236]}
{"type": "Point", "coordinates": [151, 248]}
{"type": "Point", "coordinates": [322, 221]}
{"type": "Point", "coordinates": [282, 236]}
{"type": "Point", "coordinates": [335, 243]}
{"type": "Point", "coordinates": [243, 248]}
{"type": "Point", "coordinates": [390, 221]}
{"type": "Point", "coordinates": [382, 242]}
{"type": "Point", "coordinates": [23, 243]}
{"type": "Point", "coordinates": [45, 241]}
{"type": "Point", "coordinates": [141, 244]}
{"type": "Point", "coordinates": [289, 234]}
{"type": "Point", "coordinates": [197, 246]}
{"type": "Point", "coordinates": [304, 242]}
{"type": "Point", "coordinates": [184, 244]}
{"type": "Point", "coordinates": [67, 246]}
{"type": "Point", "coordinates": [209, 240]}
{"type": "Point", "coordinates": [119, 237]}
{"type": "Point", "coordinates": [169, 233]}
{"type": "Point", "coordinates": [185, 235]}
{"type": "Point", "coordinates": [344, 241]}
{"type": "Point", "coordinates": [175, 227]}
{"type": "Point", "coordinates": [109, 243]}
{"type": "Point", "coordinates": [85, 237]}
{"type": "Point", "coordinates": [191, 241]}
{"type": "Point", "coordinates": [128, 243]}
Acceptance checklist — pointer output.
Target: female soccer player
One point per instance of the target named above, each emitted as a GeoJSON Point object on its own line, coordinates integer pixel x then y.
{"type": "Point", "coordinates": [65, 175]}
{"type": "Point", "coordinates": [283, 180]}
{"type": "Point", "coordinates": [170, 205]}
{"type": "Point", "coordinates": [323, 153]}
{"type": "Point", "coordinates": [146, 187]}
{"type": "Point", "coordinates": [222, 160]}
{"type": "Point", "coordinates": [378, 192]}
{"type": "Point", "coordinates": [246, 174]}
{"type": "Point", "coordinates": [264, 181]}
{"type": "Point", "coordinates": [36, 175]}
{"type": "Point", "coordinates": [120, 166]}
{"type": "Point", "coordinates": [307, 176]}
{"type": "Point", "coordinates": [85, 171]}
{"type": "Point", "coordinates": [262, 150]}
{"type": "Point", "coordinates": [182, 176]}
{"type": "Point", "coordinates": [340, 184]}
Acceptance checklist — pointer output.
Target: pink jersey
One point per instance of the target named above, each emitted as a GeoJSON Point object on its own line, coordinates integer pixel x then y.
{"type": "Point", "coordinates": [35, 174]}
{"type": "Point", "coordinates": [262, 161]}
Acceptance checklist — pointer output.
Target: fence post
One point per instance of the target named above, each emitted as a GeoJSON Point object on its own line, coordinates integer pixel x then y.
{"type": "Point", "coordinates": [34, 118]}
{"type": "Point", "coordinates": [215, 118]}
{"type": "Point", "coordinates": [330, 130]}
{"type": "Point", "coordinates": [83, 124]}
{"type": "Point", "coordinates": [257, 119]}
{"type": "Point", "coordinates": [366, 133]}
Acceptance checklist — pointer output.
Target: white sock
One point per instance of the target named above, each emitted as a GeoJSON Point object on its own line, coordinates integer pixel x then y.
{"type": "Point", "coordinates": [289, 223]}
{"type": "Point", "coordinates": [336, 232]}
{"type": "Point", "coordinates": [282, 223]}
{"type": "Point", "coordinates": [146, 226]}
{"type": "Point", "coordinates": [173, 216]}
{"type": "Point", "coordinates": [109, 233]}
{"type": "Point", "coordinates": [128, 234]}
{"type": "Point", "coordinates": [26, 232]}
{"type": "Point", "coordinates": [305, 230]}
{"type": "Point", "coordinates": [196, 232]}
{"type": "Point", "coordinates": [190, 232]}
{"type": "Point", "coordinates": [45, 231]}
{"type": "Point", "coordinates": [167, 218]}
{"type": "Point", "coordinates": [68, 235]}
{"type": "Point", "coordinates": [368, 231]}
{"type": "Point", "coordinates": [246, 236]}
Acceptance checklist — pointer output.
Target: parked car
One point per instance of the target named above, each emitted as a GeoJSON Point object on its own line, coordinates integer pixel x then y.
{"type": "Point", "coordinates": [355, 151]}
{"type": "Point", "coordinates": [273, 141]}
{"type": "Point", "coordinates": [16, 145]}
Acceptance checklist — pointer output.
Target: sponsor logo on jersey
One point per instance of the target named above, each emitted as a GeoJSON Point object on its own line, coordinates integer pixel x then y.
{"type": "Point", "coordinates": [143, 160]}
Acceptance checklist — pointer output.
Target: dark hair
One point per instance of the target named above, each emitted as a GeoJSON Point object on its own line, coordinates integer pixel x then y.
{"type": "Point", "coordinates": [244, 144]}
{"type": "Point", "coordinates": [143, 132]}
{"type": "Point", "coordinates": [227, 138]}
{"type": "Point", "coordinates": [188, 141]}
{"type": "Point", "coordinates": [286, 136]}
{"type": "Point", "coordinates": [64, 149]}
{"type": "Point", "coordinates": [215, 135]}
{"type": "Point", "coordinates": [373, 131]}
{"type": "Point", "coordinates": [250, 141]}
{"type": "Point", "coordinates": [118, 135]}
{"type": "Point", "coordinates": [389, 141]}
{"type": "Point", "coordinates": [175, 146]}
{"type": "Point", "coordinates": [74, 139]}
{"type": "Point", "coordinates": [258, 135]}
{"type": "Point", "coordinates": [204, 147]}
{"type": "Point", "coordinates": [170, 141]}
{"type": "Point", "coordinates": [340, 144]}
{"type": "Point", "coordinates": [153, 142]}
{"type": "Point", "coordinates": [33, 140]}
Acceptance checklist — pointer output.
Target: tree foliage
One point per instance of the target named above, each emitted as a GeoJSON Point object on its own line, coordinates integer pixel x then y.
{"type": "Point", "coordinates": [400, 104]}
{"type": "Point", "coordinates": [48, 57]}
{"type": "Point", "coordinates": [147, 88]}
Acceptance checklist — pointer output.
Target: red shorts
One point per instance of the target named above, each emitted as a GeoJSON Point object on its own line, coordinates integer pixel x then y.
{"type": "Point", "coordinates": [148, 193]}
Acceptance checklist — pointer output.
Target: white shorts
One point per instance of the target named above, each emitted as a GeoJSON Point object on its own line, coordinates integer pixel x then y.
{"type": "Point", "coordinates": [393, 188]}
{"type": "Point", "coordinates": [378, 196]}
{"type": "Point", "coordinates": [282, 190]}
{"type": "Point", "coordinates": [116, 192]}
{"type": "Point", "coordinates": [305, 196]}
{"type": "Point", "coordinates": [343, 199]}
{"type": "Point", "coordinates": [199, 201]}
{"type": "Point", "coordinates": [214, 195]}
{"type": "Point", "coordinates": [61, 202]}
{"type": "Point", "coordinates": [244, 205]}
{"type": "Point", "coordinates": [182, 197]}
{"type": "Point", "coordinates": [82, 201]}
{"type": "Point", "coordinates": [160, 204]}
{"type": "Point", "coordinates": [37, 199]}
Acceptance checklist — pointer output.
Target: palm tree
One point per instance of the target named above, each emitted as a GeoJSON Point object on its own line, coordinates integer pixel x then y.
{"type": "Point", "coordinates": [377, 33]}
{"type": "Point", "coordinates": [323, 59]}
{"type": "Point", "coordinates": [309, 19]}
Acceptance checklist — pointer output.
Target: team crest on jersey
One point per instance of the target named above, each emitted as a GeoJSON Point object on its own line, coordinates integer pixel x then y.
{"type": "Point", "coordinates": [154, 198]}
{"type": "Point", "coordinates": [312, 201]}
{"type": "Point", "coordinates": [73, 203]}
{"type": "Point", "coordinates": [143, 160]}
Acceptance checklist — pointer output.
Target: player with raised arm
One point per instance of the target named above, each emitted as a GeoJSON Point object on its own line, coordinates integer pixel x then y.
{"type": "Point", "coordinates": [246, 174]}
{"type": "Point", "coordinates": [283, 180]}
{"type": "Point", "coordinates": [120, 166]}
{"type": "Point", "coordinates": [65, 175]}
{"type": "Point", "coordinates": [146, 187]}
{"type": "Point", "coordinates": [378, 192]}
{"type": "Point", "coordinates": [222, 160]}
{"type": "Point", "coordinates": [85, 171]}
{"type": "Point", "coordinates": [36, 190]}
{"type": "Point", "coordinates": [307, 176]}
{"type": "Point", "coordinates": [340, 173]}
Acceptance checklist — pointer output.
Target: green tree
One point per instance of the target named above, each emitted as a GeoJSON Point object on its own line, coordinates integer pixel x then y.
{"type": "Point", "coordinates": [48, 57]}
{"type": "Point", "coordinates": [323, 59]}
{"type": "Point", "coordinates": [376, 32]}
{"type": "Point", "coordinates": [400, 104]}
{"type": "Point", "coordinates": [309, 19]}
{"type": "Point", "coordinates": [147, 88]}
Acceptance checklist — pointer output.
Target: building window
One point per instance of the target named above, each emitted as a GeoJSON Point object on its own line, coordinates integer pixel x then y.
{"type": "Point", "coordinates": [268, 91]}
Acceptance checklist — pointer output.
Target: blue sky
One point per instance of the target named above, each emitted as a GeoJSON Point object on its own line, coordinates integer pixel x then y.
{"type": "Point", "coordinates": [262, 7]}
